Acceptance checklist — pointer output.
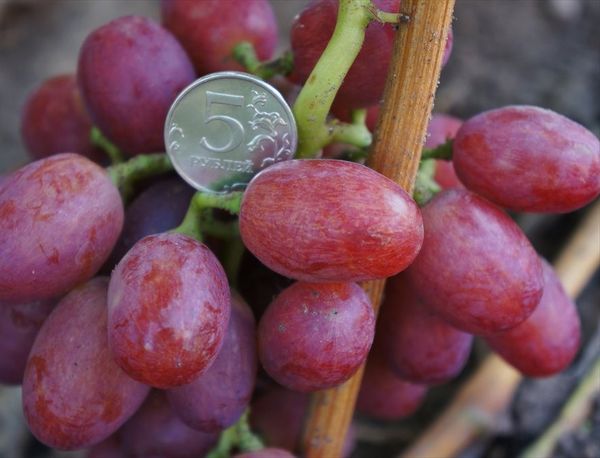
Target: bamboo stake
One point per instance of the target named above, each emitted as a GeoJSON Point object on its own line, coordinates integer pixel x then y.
{"type": "Point", "coordinates": [485, 396]}
{"type": "Point", "coordinates": [408, 101]}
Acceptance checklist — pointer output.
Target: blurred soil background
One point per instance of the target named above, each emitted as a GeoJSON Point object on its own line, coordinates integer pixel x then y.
{"type": "Point", "coordinates": [540, 52]}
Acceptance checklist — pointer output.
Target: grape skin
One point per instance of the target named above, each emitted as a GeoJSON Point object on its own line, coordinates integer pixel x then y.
{"type": "Point", "coordinates": [210, 29]}
{"type": "Point", "coordinates": [527, 158]}
{"type": "Point", "coordinates": [19, 325]}
{"type": "Point", "coordinates": [74, 395]}
{"type": "Point", "coordinates": [60, 218]}
{"type": "Point", "coordinates": [331, 221]}
{"type": "Point", "coordinates": [315, 335]}
{"type": "Point", "coordinates": [155, 431]}
{"type": "Point", "coordinates": [216, 399]}
{"type": "Point", "coordinates": [168, 309]}
{"type": "Point", "coordinates": [476, 268]}
{"type": "Point", "coordinates": [546, 342]}
{"type": "Point", "coordinates": [54, 120]}
{"type": "Point", "coordinates": [130, 71]}
{"type": "Point", "coordinates": [385, 396]}
{"type": "Point", "coordinates": [420, 346]}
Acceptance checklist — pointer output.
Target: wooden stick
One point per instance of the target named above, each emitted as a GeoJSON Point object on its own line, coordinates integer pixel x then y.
{"type": "Point", "coordinates": [483, 398]}
{"type": "Point", "coordinates": [396, 151]}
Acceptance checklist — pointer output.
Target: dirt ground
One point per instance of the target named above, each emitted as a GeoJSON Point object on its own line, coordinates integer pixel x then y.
{"type": "Point", "coordinates": [540, 52]}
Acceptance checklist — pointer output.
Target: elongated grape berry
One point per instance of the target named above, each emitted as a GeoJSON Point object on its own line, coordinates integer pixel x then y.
{"type": "Point", "coordinates": [59, 219]}
{"type": "Point", "coordinates": [326, 220]}
{"type": "Point", "coordinates": [547, 341]}
{"type": "Point", "coordinates": [216, 399]}
{"type": "Point", "coordinates": [316, 335]}
{"type": "Point", "coordinates": [74, 394]}
{"type": "Point", "coordinates": [419, 345]}
{"type": "Point", "coordinates": [130, 71]}
{"type": "Point", "coordinates": [527, 158]}
{"type": "Point", "coordinates": [168, 309]}
{"type": "Point", "coordinates": [476, 269]}
{"type": "Point", "coordinates": [209, 30]}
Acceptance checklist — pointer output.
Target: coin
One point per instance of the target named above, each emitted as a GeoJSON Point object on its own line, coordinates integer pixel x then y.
{"type": "Point", "coordinates": [226, 127]}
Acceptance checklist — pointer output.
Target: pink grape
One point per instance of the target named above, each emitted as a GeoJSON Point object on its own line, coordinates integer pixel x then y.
{"type": "Point", "coordinates": [168, 309]}
{"type": "Point", "coordinates": [19, 325]}
{"type": "Point", "coordinates": [74, 394]}
{"type": "Point", "coordinates": [316, 335]}
{"type": "Point", "coordinates": [54, 120]}
{"type": "Point", "coordinates": [216, 399]}
{"type": "Point", "coordinates": [527, 158]}
{"type": "Point", "coordinates": [420, 346]}
{"type": "Point", "coordinates": [156, 432]}
{"type": "Point", "coordinates": [210, 29]}
{"type": "Point", "coordinates": [442, 128]}
{"type": "Point", "coordinates": [476, 269]}
{"type": "Point", "coordinates": [385, 396]}
{"type": "Point", "coordinates": [331, 221]}
{"type": "Point", "coordinates": [130, 71]}
{"type": "Point", "coordinates": [59, 218]}
{"type": "Point", "coordinates": [546, 342]}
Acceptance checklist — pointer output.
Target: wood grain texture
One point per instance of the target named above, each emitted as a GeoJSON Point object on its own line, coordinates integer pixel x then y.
{"type": "Point", "coordinates": [396, 151]}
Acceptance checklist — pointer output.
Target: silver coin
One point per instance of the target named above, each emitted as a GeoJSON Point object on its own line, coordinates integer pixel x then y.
{"type": "Point", "coordinates": [226, 127]}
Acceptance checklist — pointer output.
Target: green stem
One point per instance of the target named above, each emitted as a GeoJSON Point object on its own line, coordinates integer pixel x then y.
{"type": "Point", "coordinates": [245, 54]}
{"type": "Point", "coordinates": [425, 185]}
{"type": "Point", "coordinates": [238, 436]}
{"type": "Point", "coordinates": [99, 140]}
{"type": "Point", "coordinates": [126, 174]}
{"type": "Point", "coordinates": [389, 18]}
{"type": "Point", "coordinates": [316, 97]}
{"type": "Point", "coordinates": [443, 151]}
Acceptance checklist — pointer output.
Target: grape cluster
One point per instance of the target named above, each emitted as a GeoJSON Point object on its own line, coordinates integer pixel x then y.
{"type": "Point", "coordinates": [131, 335]}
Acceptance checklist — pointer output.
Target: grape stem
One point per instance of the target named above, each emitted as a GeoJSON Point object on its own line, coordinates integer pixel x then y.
{"type": "Point", "coordinates": [199, 219]}
{"type": "Point", "coordinates": [443, 151]}
{"type": "Point", "coordinates": [127, 174]}
{"type": "Point", "coordinates": [425, 184]}
{"type": "Point", "coordinates": [245, 54]}
{"type": "Point", "coordinates": [238, 436]}
{"type": "Point", "coordinates": [100, 141]}
{"type": "Point", "coordinates": [316, 97]}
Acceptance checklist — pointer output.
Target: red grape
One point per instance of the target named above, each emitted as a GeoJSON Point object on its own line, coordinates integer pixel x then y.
{"type": "Point", "coordinates": [210, 29]}
{"type": "Point", "coordinates": [547, 341]}
{"type": "Point", "coordinates": [19, 324]}
{"type": "Point", "coordinates": [528, 159]}
{"type": "Point", "coordinates": [130, 71]}
{"type": "Point", "coordinates": [476, 269]}
{"type": "Point", "coordinates": [168, 309]}
{"type": "Point", "coordinates": [316, 335]}
{"type": "Point", "coordinates": [266, 453]}
{"type": "Point", "coordinates": [108, 448]}
{"type": "Point", "coordinates": [59, 218]}
{"type": "Point", "coordinates": [442, 128]}
{"type": "Point", "coordinates": [74, 395]}
{"type": "Point", "coordinates": [54, 120]}
{"type": "Point", "coordinates": [216, 399]}
{"type": "Point", "coordinates": [420, 346]}
{"type": "Point", "coordinates": [364, 83]}
{"type": "Point", "coordinates": [156, 432]}
{"type": "Point", "coordinates": [330, 221]}
{"type": "Point", "coordinates": [383, 395]}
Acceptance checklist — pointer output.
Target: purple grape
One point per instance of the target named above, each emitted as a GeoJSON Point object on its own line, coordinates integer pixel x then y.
{"type": "Point", "coordinates": [547, 341]}
{"type": "Point", "coordinates": [420, 346]}
{"type": "Point", "coordinates": [74, 395]}
{"type": "Point", "coordinates": [476, 268]}
{"type": "Point", "coordinates": [59, 218]}
{"type": "Point", "coordinates": [316, 335]}
{"type": "Point", "coordinates": [216, 399]}
{"type": "Point", "coordinates": [54, 120]}
{"type": "Point", "coordinates": [130, 71]}
{"type": "Point", "coordinates": [156, 432]}
{"type": "Point", "coordinates": [210, 29]}
{"type": "Point", "coordinates": [528, 159]}
{"type": "Point", "coordinates": [168, 309]}
{"type": "Point", "coordinates": [19, 325]}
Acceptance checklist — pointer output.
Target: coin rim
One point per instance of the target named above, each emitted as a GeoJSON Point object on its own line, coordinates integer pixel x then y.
{"type": "Point", "coordinates": [220, 75]}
